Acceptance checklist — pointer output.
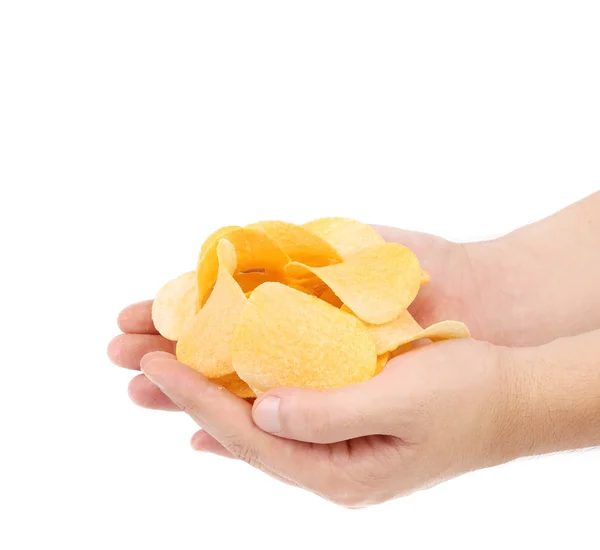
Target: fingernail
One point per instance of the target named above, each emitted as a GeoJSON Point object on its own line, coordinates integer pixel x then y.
{"type": "Point", "coordinates": [266, 415]}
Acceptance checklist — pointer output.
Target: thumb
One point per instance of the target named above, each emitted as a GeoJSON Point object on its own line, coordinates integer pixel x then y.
{"type": "Point", "coordinates": [327, 416]}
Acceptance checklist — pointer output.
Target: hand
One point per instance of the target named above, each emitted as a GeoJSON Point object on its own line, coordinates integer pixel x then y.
{"type": "Point", "coordinates": [432, 414]}
{"type": "Point", "coordinates": [451, 294]}
{"type": "Point", "coordinates": [527, 288]}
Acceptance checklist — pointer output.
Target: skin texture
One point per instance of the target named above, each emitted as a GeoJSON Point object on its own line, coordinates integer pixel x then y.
{"type": "Point", "coordinates": [441, 410]}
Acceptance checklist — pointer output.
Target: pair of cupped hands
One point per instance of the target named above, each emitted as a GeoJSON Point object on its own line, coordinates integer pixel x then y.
{"type": "Point", "coordinates": [434, 413]}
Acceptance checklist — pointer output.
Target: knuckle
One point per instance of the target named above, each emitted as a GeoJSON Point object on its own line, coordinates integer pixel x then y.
{"type": "Point", "coordinates": [189, 409]}
{"type": "Point", "coordinates": [243, 451]}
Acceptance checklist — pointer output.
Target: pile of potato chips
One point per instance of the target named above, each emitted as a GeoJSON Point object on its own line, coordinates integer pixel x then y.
{"type": "Point", "coordinates": [273, 304]}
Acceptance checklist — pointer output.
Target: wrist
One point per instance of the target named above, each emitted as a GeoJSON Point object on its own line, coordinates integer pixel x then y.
{"type": "Point", "coordinates": [551, 397]}
{"type": "Point", "coordinates": [519, 426]}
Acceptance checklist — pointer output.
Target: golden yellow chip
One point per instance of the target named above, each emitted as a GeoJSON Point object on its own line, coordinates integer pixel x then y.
{"type": "Point", "coordinates": [298, 243]}
{"type": "Point", "coordinates": [382, 361]}
{"type": "Point", "coordinates": [254, 250]}
{"type": "Point", "coordinates": [312, 285]}
{"type": "Point", "coordinates": [377, 283]}
{"type": "Point", "coordinates": [311, 282]}
{"type": "Point", "coordinates": [389, 336]}
{"type": "Point", "coordinates": [288, 338]}
{"type": "Point", "coordinates": [405, 329]}
{"type": "Point", "coordinates": [205, 344]}
{"type": "Point", "coordinates": [444, 330]}
{"type": "Point", "coordinates": [345, 235]}
{"type": "Point", "coordinates": [250, 280]}
{"type": "Point", "coordinates": [234, 384]}
{"type": "Point", "coordinates": [175, 305]}
{"type": "Point", "coordinates": [303, 289]}
{"type": "Point", "coordinates": [329, 296]}
{"type": "Point", "coordinates": [216, 236]}
{"type": "Point", "coordinates": [401, 349]}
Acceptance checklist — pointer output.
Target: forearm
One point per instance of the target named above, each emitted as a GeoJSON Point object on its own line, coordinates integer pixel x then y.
{"type": "Point", "coordinates": [553, 397]}
{"type": "Point", "coordinates": [541, 282]}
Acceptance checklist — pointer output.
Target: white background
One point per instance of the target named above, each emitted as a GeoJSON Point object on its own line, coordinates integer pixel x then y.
{"type": "Point", "coordinates": [129, 130]}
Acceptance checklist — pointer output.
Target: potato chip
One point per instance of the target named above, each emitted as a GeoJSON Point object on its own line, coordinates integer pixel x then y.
{"type": "Point", "coordinates": [329, 296]}
{"type": "Point", "coordinates": [250, 280]}
{"type": "Point", "coordinates": [175, 305]}
{"type": "Point", "coordinates": [444, 330]}
{"type": "Point", "coordinates": [389, 336]}
{"type": "Point", "coordinates": [345, 235]}
{"type": "Point", "coordinates": [382, 361]}
{"type": "Point", "coordinates": [287, 338]}
{"type": "Point", "coordinates": [401, 349]}
{"type": "Point", "coordinates": [377, 283]}
{"type": "Point", "coordinates": [310, 281]}
{"type": "Point", "coordinates": [205, 344]}
{"type": "Point", "coordinates": [299, 244]}
{"type": "Point", "coordinates": [216, 236]}
{"type": "Point", "coordinates": [405, 329]}
{"type": "Point", "coordinates": [234, 384]}
{"type": "Point", "coordinates": [254, 250]}
{"type": "Point", "coordinates": [303, 289]}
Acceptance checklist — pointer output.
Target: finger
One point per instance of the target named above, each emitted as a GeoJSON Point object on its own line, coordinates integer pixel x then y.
{"type": "Point", "coordinates": [145, 394]}
{"type": "Point", "coordinates": [203, 441]}
{"type": "Point", "coordinates": [137, 319]}
{"type": "Point", "coordinates": [127, 350]}
{"type": "Point", "coordinates": [327, 416]}
{"type": "Point", "coordinates": [228, 419]}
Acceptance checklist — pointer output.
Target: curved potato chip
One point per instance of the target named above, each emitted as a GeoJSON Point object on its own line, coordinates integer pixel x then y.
{"type": "Point", "coordinates": [389, 336]}
{"type": "Point", "coordinates": [309, 282]}
{"type": "Point", "coordinates": [345, 235]}
{"type": "Point", "coordinates": [298, 243]}
{"type": "Point", "coordinates": [444, 330]}
{"type": "Point", "coordinates": [216, 236]}
{"type": "Point", "coordinates": [234, 384]}
{"type": "Point", "coordinates": [401, 349]}
{"type": "Point", "coordinates": [287, 338]}
{"type": "Point", "coordinates": [405, 329]}
{"type": "Point", "coordinates": [329, 296]}
{"type": "Point", "coordinates": [205, 344]}
{"type": "Point", "coordinates": [382, 361]}
{"type": "Point", "coordinates": [250, 280]}
{"type": "Point", "coordinates": [175, 305]}
{"type": "Point", "coordinates": [254, 250]}
{"type": "Point", "coordinates": [377, 283]}
{"type": "Point", "coordinates": [303, 289]}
